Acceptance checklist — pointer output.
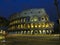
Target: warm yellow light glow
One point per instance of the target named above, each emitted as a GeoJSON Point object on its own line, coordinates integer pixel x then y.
{"type": "Point", "coordinates": [35, 25]}
{"type": "Point", "coordinates": [32, 25]}
{"type": "Point", "coordinates": [16, 21]}
{"type": "Point", "coordinates": [47, 25]}
{"type": "Point", "coordinates": [43, 25]}
{"type": "Point", "coordinates": [35, 19]}
{"type": "Point", "coordinates": [39, 25]}
{"type": "Point", "coordinates": [2, 37]}
{"type": "Point", "coordinates": [24, 25]}
{"type": "Point", "coordinates": [28, 26]}
{"type": "Point", "coordinates": [19, 26]}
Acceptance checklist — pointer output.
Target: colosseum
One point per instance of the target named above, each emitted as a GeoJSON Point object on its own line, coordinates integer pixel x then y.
{"type": "Point", "coordinates": [30, 21]}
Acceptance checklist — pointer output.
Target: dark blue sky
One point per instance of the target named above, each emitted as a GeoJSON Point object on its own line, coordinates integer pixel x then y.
{"type": "Point", "coordinates": [8, 7]}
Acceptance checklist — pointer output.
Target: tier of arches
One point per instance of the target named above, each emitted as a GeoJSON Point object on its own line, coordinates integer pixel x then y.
{"type": "Point", "coordinates": [32, 32]}
{"type": "Point", "coordinates": [31, 25]}
{"type": "Point", "coordinates": [29, 19]}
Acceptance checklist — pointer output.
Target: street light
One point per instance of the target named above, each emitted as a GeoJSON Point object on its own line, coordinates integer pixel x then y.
{"type": "Point", "coordinates": [56, 4]}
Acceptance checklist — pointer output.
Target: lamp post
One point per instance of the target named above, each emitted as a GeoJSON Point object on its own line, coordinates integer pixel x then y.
{"type": "Point", "coordinates": [56, 4]}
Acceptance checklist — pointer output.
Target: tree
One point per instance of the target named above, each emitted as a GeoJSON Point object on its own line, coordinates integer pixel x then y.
{"type": "Point", "coordinates": [3, 21]}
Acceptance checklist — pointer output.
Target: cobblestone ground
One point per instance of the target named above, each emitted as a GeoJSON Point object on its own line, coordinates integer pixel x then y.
{"type": "Point", "coordinates": [32, 42]}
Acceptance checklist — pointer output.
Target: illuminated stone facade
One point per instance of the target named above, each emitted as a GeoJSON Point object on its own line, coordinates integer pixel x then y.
{"type": "Point", "coordinates": [31, 21]}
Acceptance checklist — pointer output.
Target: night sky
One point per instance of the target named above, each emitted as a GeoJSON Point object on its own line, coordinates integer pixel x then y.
{"type": "Point", "coordinates": [8, 7]}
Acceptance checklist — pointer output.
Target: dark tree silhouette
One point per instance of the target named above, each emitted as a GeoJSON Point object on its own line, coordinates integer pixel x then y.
{"type": "Point", "coordinates": [3, 21]}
